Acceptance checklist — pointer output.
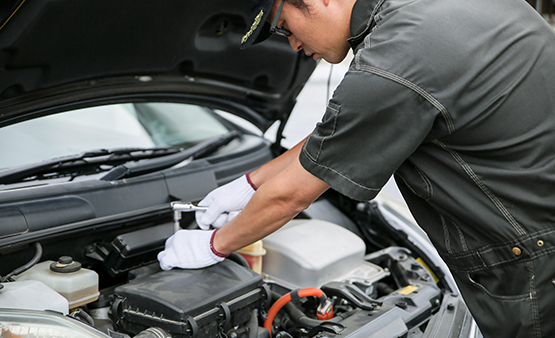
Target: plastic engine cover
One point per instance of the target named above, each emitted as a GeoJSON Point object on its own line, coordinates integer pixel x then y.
{"type": "Point", "coordinates": [310, 253]}
{"type": "Point", "coordinates": [189, 303]}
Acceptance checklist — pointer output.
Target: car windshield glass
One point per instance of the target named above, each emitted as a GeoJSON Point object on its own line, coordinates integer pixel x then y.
{"type": "Point", "coordinates": [130, 125]}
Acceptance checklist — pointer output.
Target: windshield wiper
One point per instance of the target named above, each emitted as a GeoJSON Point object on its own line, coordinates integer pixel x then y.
{"type": "Point", "coordinates": [200, 150]}
{"type": "Point", "coordinates": [136, 160]}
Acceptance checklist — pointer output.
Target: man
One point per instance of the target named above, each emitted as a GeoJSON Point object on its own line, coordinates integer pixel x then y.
{"type": "Point", "coordinates": [457, 98]}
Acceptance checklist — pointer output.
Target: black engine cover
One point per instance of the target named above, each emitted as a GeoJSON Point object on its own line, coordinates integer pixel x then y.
{"type": "Point", "coordinates": [190, 303]}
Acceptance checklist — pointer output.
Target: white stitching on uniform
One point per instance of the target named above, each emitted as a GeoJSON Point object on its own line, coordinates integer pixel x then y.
{"type": "Point", "coordinates": [501, 245]}
{"type": "Point", "coordinates": [333, 130]}
{"type": "Point", "coordinates": [415, 88]}
{"type": "Point", "coordinates": [409, 186]}
{"type": "Point", "coordinates": [483, 187]}
{"type": "Point", "coordinates": [429, 187]}
{"type": "Point", "coordinates": [338, 173]}
{"type": "Point", "coordinates": [462, 239]}
{"type": "Point", "coordinates": [446, 235]}
{"type": "Point", "coordinates": [464, 246]}
{"type": "Point", "coordinates": [534, 300]}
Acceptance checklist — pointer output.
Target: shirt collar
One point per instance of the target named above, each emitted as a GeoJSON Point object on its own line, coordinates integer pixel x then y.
{"type": "Point", "coordinates": [362, 20]}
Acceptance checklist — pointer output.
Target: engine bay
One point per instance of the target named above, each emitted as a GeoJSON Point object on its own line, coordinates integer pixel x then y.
{"type": "Point", "coordinates": [317, 279]}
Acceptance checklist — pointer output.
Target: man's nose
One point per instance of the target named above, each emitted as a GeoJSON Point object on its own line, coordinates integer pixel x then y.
{"type": "Point", "coordinates": [295, 43]}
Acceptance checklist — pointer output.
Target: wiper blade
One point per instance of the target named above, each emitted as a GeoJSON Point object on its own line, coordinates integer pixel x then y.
{"type": "Point", "coordinates": [90, 162]}
{"type": "Point", "coordinates": [83, 163]}
{"type": "Point", "coordinates": [200, 150]}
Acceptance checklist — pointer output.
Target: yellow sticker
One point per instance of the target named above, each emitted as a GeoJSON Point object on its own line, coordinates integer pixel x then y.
{"type": "Point", "coordinates": [407, 290]}
{"type": "Point", "coordinates": [253, 26]}
{"type": "Point", "coordinates": [421, 261]}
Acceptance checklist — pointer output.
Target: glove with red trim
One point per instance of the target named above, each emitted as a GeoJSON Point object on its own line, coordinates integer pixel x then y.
{"type": "Point", "coordinates": [225, 202]}
{"type": "Point", "coordinates": [189, 249]}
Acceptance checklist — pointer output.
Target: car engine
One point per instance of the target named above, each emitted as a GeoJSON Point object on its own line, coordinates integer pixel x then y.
{"type": "Point", "coordinates": [316, 279]}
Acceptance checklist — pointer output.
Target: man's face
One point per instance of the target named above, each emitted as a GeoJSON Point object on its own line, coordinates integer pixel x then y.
{"type": "Point", "coordinates": [321, 30]}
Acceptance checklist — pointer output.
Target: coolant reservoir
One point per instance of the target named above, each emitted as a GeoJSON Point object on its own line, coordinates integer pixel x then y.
{"type": "Point", "coordinates": [78, 285]}
{"type": "Point", "coordinates": [253, 254]}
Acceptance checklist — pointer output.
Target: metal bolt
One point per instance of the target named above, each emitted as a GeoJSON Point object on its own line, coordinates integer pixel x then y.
{"type": "Point", "coordinates": [402, 305]}
{"type": "Point", "coordinates": [517, 251]}
{"type": "Point", "coordinates": [450, 306]}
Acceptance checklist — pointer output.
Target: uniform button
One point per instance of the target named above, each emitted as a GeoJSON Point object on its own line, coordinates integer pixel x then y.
{"type": "Point", "coordinates": [517, 251]}
{"type": "Point", "coordinates": [540, 243]}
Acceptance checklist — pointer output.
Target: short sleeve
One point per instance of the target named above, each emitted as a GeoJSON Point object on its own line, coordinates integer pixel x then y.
{"type": "Point", "coordinates": [371, 125]}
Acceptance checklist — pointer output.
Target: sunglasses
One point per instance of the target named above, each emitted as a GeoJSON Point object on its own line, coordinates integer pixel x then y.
{"type": "Point", "coordinates": [279, 30]}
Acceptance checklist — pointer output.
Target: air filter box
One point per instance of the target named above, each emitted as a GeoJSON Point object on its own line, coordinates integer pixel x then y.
{"type": "Point", "coordinates": [190, 303]}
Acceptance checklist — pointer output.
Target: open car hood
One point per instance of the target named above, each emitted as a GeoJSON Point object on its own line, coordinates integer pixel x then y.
{"type": "Point", "coordinates": [55, 53]}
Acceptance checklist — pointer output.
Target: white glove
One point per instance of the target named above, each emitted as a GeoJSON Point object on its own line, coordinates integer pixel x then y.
{"type": "Point", "coordinates": [189, 249]}
{"type": "Point", "coordinates": [224, 203]}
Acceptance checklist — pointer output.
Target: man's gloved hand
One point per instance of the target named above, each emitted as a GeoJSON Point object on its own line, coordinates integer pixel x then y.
{"type": "Point", "coordinates": [225, 202]}
{"type": "Point", "coordinates": [189, 249]}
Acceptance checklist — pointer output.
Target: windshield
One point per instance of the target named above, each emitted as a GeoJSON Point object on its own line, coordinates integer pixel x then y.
{"type": "Point", "coordinates": [129, 125]}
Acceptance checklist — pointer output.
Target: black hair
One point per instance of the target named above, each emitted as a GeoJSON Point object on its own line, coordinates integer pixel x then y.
{"type": "Point", "coordinates": [300, 4]}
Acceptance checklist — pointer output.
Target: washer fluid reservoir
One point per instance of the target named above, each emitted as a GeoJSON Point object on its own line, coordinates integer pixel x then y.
{"type": "Point", "coordinates": [78, 285]}
{"type": "Point", "coordinates": [31, 295]}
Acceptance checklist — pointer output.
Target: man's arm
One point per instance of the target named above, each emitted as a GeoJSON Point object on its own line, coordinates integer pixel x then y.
{"type": "Point", "coordinates": [225, 202]}
{"type": "Point", "coordinates": [276, 166]}
{"type": "Point", "coordinates": [285, 189]}
{"type": "Point", "coordinates": [276, 202]}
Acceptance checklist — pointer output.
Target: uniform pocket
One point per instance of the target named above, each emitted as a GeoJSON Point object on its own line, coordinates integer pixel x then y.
{"type": "Point", "coordinates": [509, 282]}
{"type": "Point", "coordinates": [503, 302]}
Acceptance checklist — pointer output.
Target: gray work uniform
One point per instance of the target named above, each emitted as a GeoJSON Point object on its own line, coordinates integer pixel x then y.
{"type": "Point", "coordinates": [457, 98]}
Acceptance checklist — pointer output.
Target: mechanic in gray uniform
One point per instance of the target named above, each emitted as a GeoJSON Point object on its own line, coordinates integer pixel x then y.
{"type": "Point", "coordinates": [457, 99]}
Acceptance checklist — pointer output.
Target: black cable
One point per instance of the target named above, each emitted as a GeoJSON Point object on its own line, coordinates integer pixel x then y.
{"type": "Point", "coordinates": [329, 81]}
{"type": "Point", "coordinates": [83, 316]}
{"type": "Point", "coordinates": [237, 258]}
{"type": "Point", "coordinates": [299, 317]}
{"type": "Point", "coordinates": [36, 258]}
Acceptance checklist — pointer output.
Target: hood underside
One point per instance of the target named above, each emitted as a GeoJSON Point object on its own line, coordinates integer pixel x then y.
{"type": "Point", "coordinates": [48, 48]}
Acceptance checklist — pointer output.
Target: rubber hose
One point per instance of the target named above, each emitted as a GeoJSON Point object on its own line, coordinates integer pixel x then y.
{"type": "Point", "coordinates": [301, 318]}
{"type": "Point", "coordinates": [80, 314]}
{"type": "Point", "coordinates": [237, 258]}
{"type": "Point", "coordinates": [286, 299]}
{"type": "Point", "coordinates": [33, 261]}
{"type": "Point", "coordinates": [254, 329]}
{"type": "Point", "coordinates": [296, 314]}
{"type": "Point", "coordinates": [384, 289]}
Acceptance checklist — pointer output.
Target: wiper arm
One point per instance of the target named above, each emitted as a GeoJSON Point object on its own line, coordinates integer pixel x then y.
{"type": "Point", "coordinates": [90, 161]}
{"type": "Point", "coordinates": [200, 150]}
{"type": "Point", "coordinates": [86, 162]}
